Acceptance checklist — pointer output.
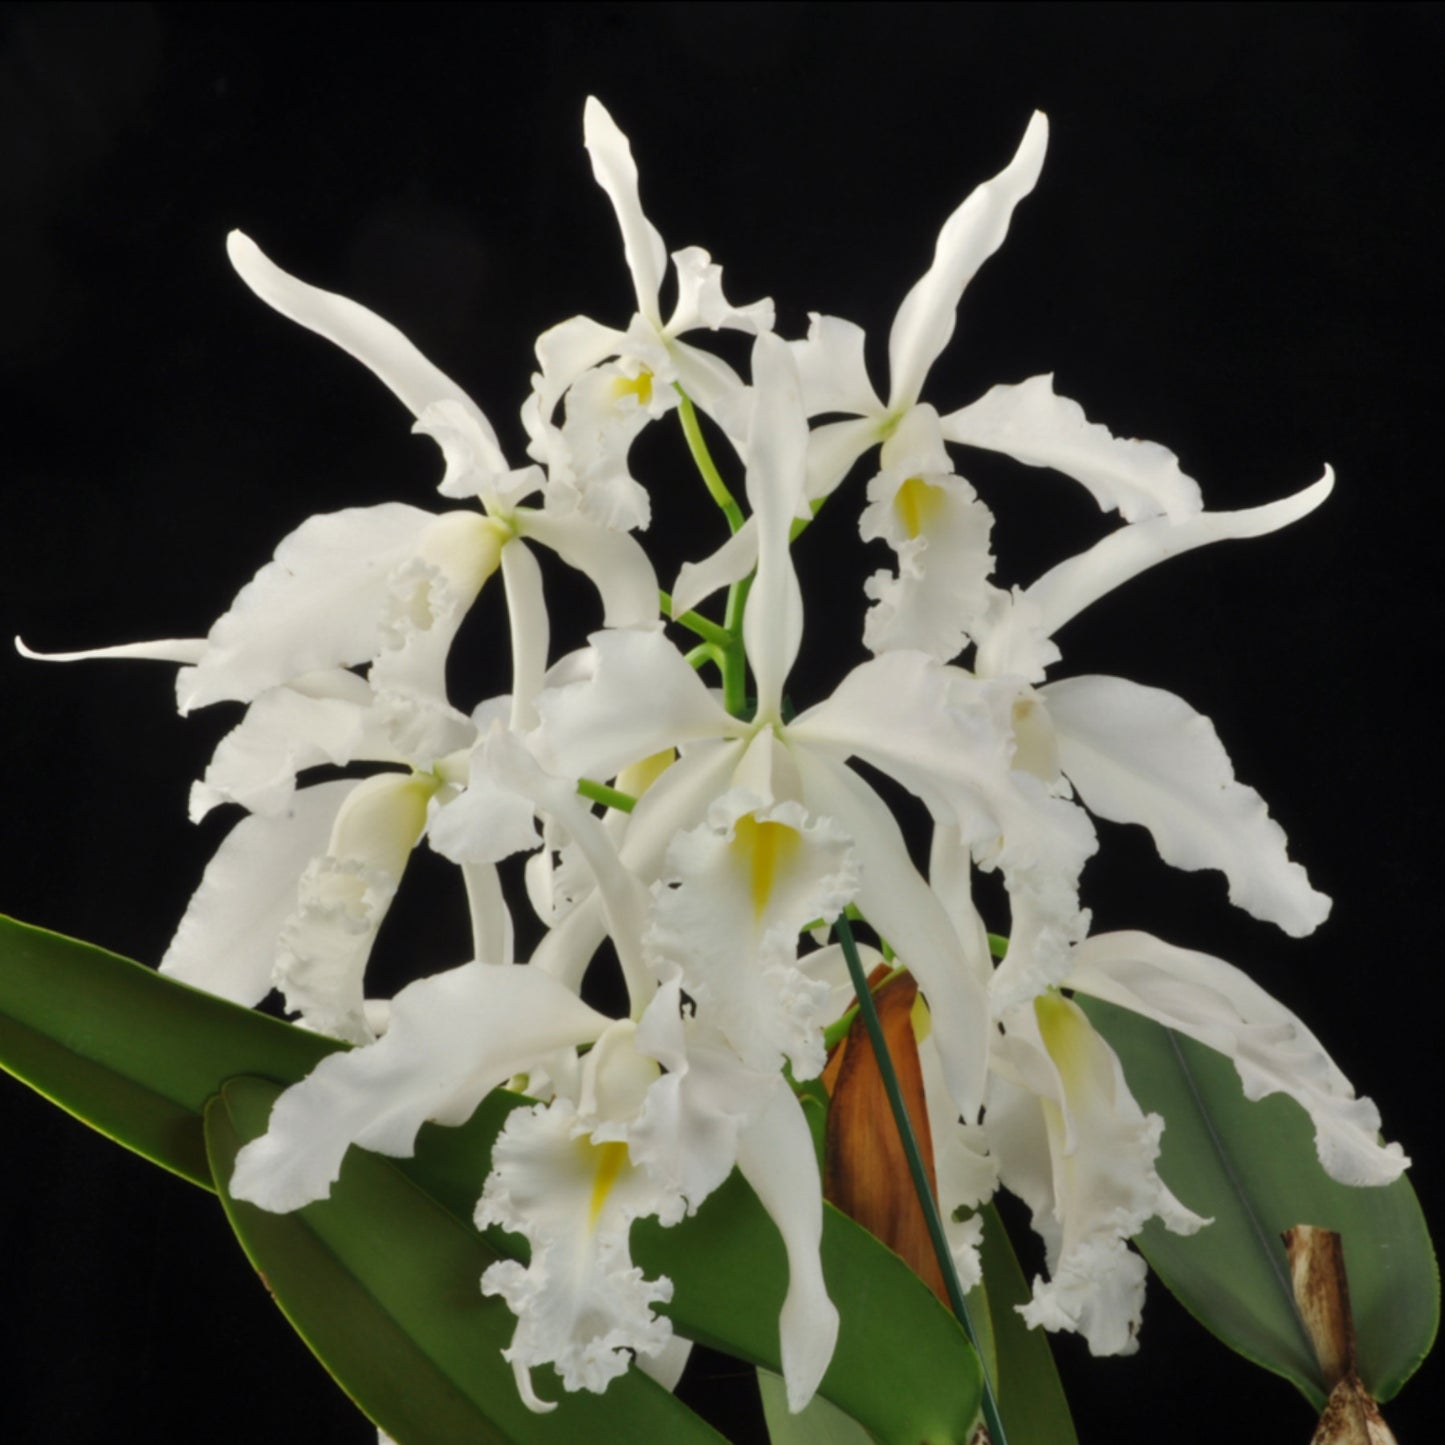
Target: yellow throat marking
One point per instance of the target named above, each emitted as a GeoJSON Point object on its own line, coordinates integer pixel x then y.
{"type": "Point", "coordinates": [609, 1166]}
{"type": "Point", "coordinates": [763, 848]}
{"type": "Point", "coordinates": [639, 386]}
{"type": "Point", "coordinates": [918, 503]}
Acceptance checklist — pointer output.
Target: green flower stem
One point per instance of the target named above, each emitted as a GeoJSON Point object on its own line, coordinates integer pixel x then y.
{"type": "Point", "coordinates": [705, 653]}
{"type": "Point", "coordinates": [609, 797]}
{"type": "Point", "coordinates": [735, 663]}
{"type": "Point", "coordinates": [916, 1168]}
{"type": "Point", "coordinates": [717, 488]}
{"type": "Point", "coordinates": [997, 945]}
{"type": "Point", "coordinates": [701, 626]}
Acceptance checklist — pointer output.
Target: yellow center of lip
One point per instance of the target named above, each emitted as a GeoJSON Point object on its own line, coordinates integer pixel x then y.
{"type": "Point", "coordinates": [639, 386]}
{"type": "Point", "coordinates": [1065, 1032]}
{"type": "Point", "coordinates": [609, 1166]}
{"type": "Point", "coordinates": [763, 848]}
{"type": "Point", "coordinates": [917, 504]}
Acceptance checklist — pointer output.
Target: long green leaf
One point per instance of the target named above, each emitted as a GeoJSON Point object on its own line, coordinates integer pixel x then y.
{"type": "Point", "coordinates": [137, 1056]}
{"type": "Point", "coordinates": [382, 1284]}
{"type": "Point", "coordinates": [1253, 1168]}
{"type": "Point", "coordinates": [1030, 1394]}
{"type": "Point", "coordinates": [818, 1423]}
{"type": "Point", "coordinates": [903, 1366]}
{"type": "Point", "coordinates": [131, 1053]}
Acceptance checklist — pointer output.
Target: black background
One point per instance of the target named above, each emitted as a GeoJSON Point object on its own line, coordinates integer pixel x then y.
{"type": "Point", "coordinates": [1233, 251]}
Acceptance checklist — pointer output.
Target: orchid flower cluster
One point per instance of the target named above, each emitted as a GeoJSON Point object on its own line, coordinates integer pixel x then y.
{"type": "Point", "coordinates": [672, 801]}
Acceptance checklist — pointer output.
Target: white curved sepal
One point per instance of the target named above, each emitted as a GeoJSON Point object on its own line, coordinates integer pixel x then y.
{"type": "Point", "coordinates": [1141, 755]}
{"type": "Point", "coordinates": [1272, 1050]}
{"type": "Point", "coordinates": [452, 1038]}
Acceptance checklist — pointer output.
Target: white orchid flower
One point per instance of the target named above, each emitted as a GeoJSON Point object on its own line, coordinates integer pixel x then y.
{"type": "Point", "coordinates": [615, 381]}
{"type": "Point", "coordinates": [619, 1140]}
{"type": "Point", "coordinates": [561, 1174]}
{"type": "Point", "coordinates": [1072, 1142]}
{"type": "Point", "coordinates": [917, 502]}
{"type": "Point", "coordinates": [475, 467]}
{"type": "Point", "coordinates": [933, 729]}
{"type": "Point", "coordinates": [296, 892]}
{"type": "Point", "coordinates": [1136, 754]}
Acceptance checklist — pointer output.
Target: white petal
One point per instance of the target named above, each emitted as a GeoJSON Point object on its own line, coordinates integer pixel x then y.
{"type": "Point", "coordinates": [1012, 639]}
{"type": "Point", "coordinates": [715, 388]}
{"type": "Point", "coordinates": [616, 173]}
{"type": "Point", "coordinates": [530, 630]}
{"type": "Point", "coordinates": [607, 409]}
{"type": "Point", "coordinates": [318, 605]}
{"type": "Point", "coordinates": [323, 717]}
{"type": "Point", "coordinates": [1101, 1184]}
{"type": "Point", "coordinates": [700, 299]}
{"type": "Point", "coordinates": [492, 940]}
{"type": "Point", "coordinates": [967, 1174]}
{"type": "Point", "coordinates": [832, 450]}
{"type": "Point", "coordinates": [905, 911]}
{"type": "Point", "coordinates": [1141, 755]}
{"type": "Point", "coordinates": [941, 534]}
{"type": "Point", "coordinates": [641, 697]}
{"type": "Point", "coordinates": [677, 800]}
{"type": "Point", "coordinates": [948, 738]}
{"type": "Point", "coordinates": [777, 448]}
{"type": "Point", "coordinates": [950, 875]}
{"type": "Point", "coordinates": [687, 1132]}
{"type": "Point", "coordinates": [567, 350]}
{"type": "Point", "coordinates": [971, 235]}
{"type": "Point", "coordinates": [342, 898]}
{"type": "Point", "coordinates": [227, 940]}
{"type": "Point", "coordinates": [613, 561]}
{"type": "Point", "coordinates": [581, 1304]}
{"type": "Point", "coordinates": [1032, 424]}
{"type": "Point", "coordinates": [1272, 1050]}
{"type": "Point", "coordinates": [1064, 591]}
{"type": "Point", "coordinates": [486, 822]}
{"type": "Point", "coordinates": [169, 649]}
{"type": "Point", "coordinates": [453, 1038]}
{"type": "Point", "coordinates": [775, 1155]}
{"type": "Point", "coordinates": [832, 368]}
{"type": "Point", "coordinates": [375, 343]}
{"type": "Point", "coordinates": [736, 895]}
{"type": "Point", "coordinates": [697, 581]}
{"type": "Point", "coordinates": [623, 896]}
{"type": "Point", "coordinates": [475, 466]}
{"type": "Point", "coordinates": [427, 599]}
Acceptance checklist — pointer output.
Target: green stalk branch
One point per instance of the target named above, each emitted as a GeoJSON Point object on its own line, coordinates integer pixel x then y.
{"type": "Point", "coordinates": [697, 445]}
{"type": "Point", "coordinates": [608, 797]}
{"type": "Point", "coordinates": [735, 665]}
{"type": "Point", "coordinates": [705, 653]}
{"type": "Point", "coordinates": [701, 626]}
{"type": "Point", "coordinates": [916, 1168]}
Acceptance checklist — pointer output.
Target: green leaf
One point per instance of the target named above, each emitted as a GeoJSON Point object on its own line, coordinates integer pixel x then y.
{"type": "Point", "coordinates": [980, 1317]}
{"type": "Point", "coordinates": [1253, 1168]}
{"type": "Point", "coordinates": [137, 1056]}
{"type": "Point", "coordinates": [818, 1423]}
{"type": "Point", "coordinates": [382, 1284]}
{"type": "Point", "coordinates": [128, 1051]}
{"type": "Point", "coordinates": [903, 1366]}
{"type": "Point", "coordinates": [1030, 1394]}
